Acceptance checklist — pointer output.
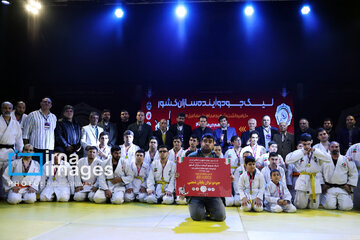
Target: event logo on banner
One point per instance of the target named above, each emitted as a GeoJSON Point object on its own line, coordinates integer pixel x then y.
{"type": "Point", "coordinates": [238, 108]}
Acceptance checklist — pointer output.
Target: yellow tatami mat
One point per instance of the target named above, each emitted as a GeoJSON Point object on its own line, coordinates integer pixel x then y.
{"type": "Point", "coordinates": [143, 221]}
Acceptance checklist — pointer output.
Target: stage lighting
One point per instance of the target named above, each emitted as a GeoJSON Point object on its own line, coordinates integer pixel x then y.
{"type": "Point", "coordinates": [249, 11]}
{"type": "Point", "coordinates": [119, 13]}
{"type": "Point", "coordinates": [33, 7]}
{"type": "Point", "coordinates": [305, 10]}
{"type": "Point", "coordinates": [181, 11]}
{"type": "Point", "coordinates": [5, 2]}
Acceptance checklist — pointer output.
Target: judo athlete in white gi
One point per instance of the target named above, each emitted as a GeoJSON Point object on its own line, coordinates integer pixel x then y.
{"type": "Point", "coordinates": [273, 160]}
{"type": "Point", "coordinates": [238, 171]}
{"type": "Point", "coordinates": [341, 177]}
{"type": "Point", "coordinates": [254, 148]}
{"type": "Point", "coordinates": [176, 152]}
{"type": "Point", "coordinates": [104, 150]}
{"type": "Point", "coordinates": [323, 137]}
{"type": "Point", "coordinates": [57, 180]}
{"type": "Point", "coordinates": [263, 160]}
{"type": "Point", "coordinates": [22, 187]}
{"type": "Point", "coordinates": [353, 153]}
{"type": "Point", "coordinates": [193, 143]}
{"type": "Point", "coordinates": [161, 179]}
{"type": "Point", "coordinates": [112, 183]}
{"type": "Point", "coordinates": [128, 149]}
{"type": "Point", "coordinates": [86, 179]}
{"type": "Point", "coordinates": [10, 139]}
{"type": "Point", "coordinates": [140, 170]}
{"type": "Point", "coordinates": [277, 196]}
{"type": "Point", "coordinates": [308, 161]}
{"type": "Point", "coordinates": [233, 155]}
{"type": "Point", "coordinates": [152, 154]}
{"type": "Point", "coordinates": [251, 187]}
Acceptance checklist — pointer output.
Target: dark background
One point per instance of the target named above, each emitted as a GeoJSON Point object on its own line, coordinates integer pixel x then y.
{"type": "Point", "coordinates": [84, 54]}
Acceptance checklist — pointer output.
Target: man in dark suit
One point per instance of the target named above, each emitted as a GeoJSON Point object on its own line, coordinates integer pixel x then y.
{"type": "Point", "coordinates": [284, 140]}
{"type": "Point", "coordinates": [266, 132]}
{"type": "Point", "coordinates": [245, 136]}
{"type": "Point", "coordinates": [164, 136]}
{"type": "Point", "coordinates": [109, 127]}
{"type": "Point", "coordinates": [348, 135]}
{"type": "Point", "coordinates": [142, 132]}
{"type": "Point", "coordinates": [123, 125]}
{"type": "Point", "coordinates": [223, 134]}
{"type": "Point", "coordinates": [304, 127]}
{"type": "Point", "coordinates": [182, 130]}
{"type": "Point", "coordinates": [202, 129]}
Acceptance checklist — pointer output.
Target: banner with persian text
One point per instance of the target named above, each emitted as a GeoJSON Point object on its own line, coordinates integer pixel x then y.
{"type": "Point", "coordinates": [238, 108]}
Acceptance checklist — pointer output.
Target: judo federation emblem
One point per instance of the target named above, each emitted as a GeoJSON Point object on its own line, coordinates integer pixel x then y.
{"type": "Point", "coordinates": [148, 115]}
{"type": "Point", "coordinates": [283, 114]}
{"type": "Point", "coordinates": [148, 106]}
{"type": "Point", "coordinates": [203, 188]}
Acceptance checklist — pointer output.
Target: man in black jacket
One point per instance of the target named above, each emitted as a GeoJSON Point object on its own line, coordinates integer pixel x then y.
{"type": "Point", "coordinates": [182, 130]}
{"type": "Point", "coordinates": [266, 132]}
{"type": "Point", "coordinates": [142, 132]}
{"type": "Point", "coordinates": [68, 132]}
{"type": "Point", "coordinates": [163, 135]}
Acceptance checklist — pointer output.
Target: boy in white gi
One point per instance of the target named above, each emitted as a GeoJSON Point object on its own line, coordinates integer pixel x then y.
{"type": "Point", "coordinates": [176, 152]}
{"type": "Point", "coordinates": [161, 180]}
{"type": "Point", "coordinates": [263, 160]}
{"type": "Point", "coordinates": [233, 154]}
{"type": "Point", "coordinates": [22, 187]}
{"type": "Point", "coordinates": [57, 180]}
{"type": "Point", "coordinates": [292, 174]}
{"type": "Point", "coordinates": [251, 187]}
{"type": "Point", "coordinates": [341, 177]}
{"type": "Point", "coordinates": [152, 154]}
{"type": "Point", "coordinates": [116, 175]}
{"type": "Point", "coordinates": [255, 149]}
{"type": "Point", "coordinates": [277, 196]}
{"type": "Point", "coordinates": [86, 183]}
{"type": "Point", "coordinates": [238, 171]}
{"type": "Point", "coordinates": [308, 161]}
{"type": "Point", "coordinates": [273, 164]}
{"type": "Point", "coordinates": [137, 188]}
{"type": "Point", "coordinates": [128, 149]}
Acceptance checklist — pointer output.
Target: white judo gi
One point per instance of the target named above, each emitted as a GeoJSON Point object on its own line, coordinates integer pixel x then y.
{"type": "Point", "coordinates": [354, 153]}
{"type": "Point", "coordinates": [292, 174]}
{"type": "Point", "coordinates": [263, 161]}
{"type": "Point", "coordinates": [344, 172]}
{"type": "Point", "coordinates": [118, 189]}
{"type": "Point", "coordinates": [161, 180]}
{"type": "Point", "coordinates": [139, 181]}
{"type": "Point", "coordinates": [56, 181]}
{"type": "Point", "coordinates": [308, 185]}
{"type": "Point", "coordinates": [22, 120]}
{"type": "Point", "coordinates": [87, 178]}
{"type": "Point", "coordinates": [148, 160]}
{"type": "Point", "coordinates": [235, 199]}
{"type": "Point", "coordinates": [129, 153]}
{"type": "Point", "coordinates": [322, 148]}
{"type": "Point", "coordinates": [256, 151]}
{"type": "Point", "coordinates": [253, 191]}
{"type": "Point", "coordinates": [10, 135]}
{"type": "Point", "coordinates": [235, 162]}
{"type": "Point", "coordinates": [266, 172]}
{"type": "Point", "coordinates": [23, 182]}
{"type": "Point", "coordinates": [274, 193]}
{"type": "Point", "coordinates": [174, 157]}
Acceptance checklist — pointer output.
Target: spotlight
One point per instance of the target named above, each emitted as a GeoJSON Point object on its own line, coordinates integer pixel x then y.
{"type": "Point", "coordinates": [305, 10]}
{"type": "Point", "coordinates": [5, 2]}
{"type": "Point", "coordinates": [249, 11]}
{"type": "Point", "coordinates": [119, 13]}
{"type": "Point", "coordinates": [33, 7]}
{"type": "Point", "coordinates": [181, 11]}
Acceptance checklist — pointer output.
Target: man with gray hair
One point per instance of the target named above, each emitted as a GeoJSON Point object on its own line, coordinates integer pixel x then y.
{"type": "Point", "coordinates": [90, 133]}
{"type": "Point", "coordinates": [245, 136]}
{"type": "Point", "coordinates": [39, 128]}
{"type": "Point", "coordinates": [10, 138]}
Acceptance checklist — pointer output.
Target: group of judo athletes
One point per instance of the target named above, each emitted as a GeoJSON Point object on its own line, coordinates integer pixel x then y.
{"type": "Point", "coordinates": [118, 179]}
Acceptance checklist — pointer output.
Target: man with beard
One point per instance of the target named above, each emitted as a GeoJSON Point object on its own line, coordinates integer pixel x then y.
{"type": "Point", "coordinates": [341, 177]}
{"type": "Point", "coordinates": [181, 129]}
{"type": "Point", "coordinates": [348, 135]}
{"type": "Point", "coordinates": [211, 208]}
{"type": "Point", "coordinates": [123, 125]}
{"type": "Point", "coordinates": [19, 113]}
{"type": "Point", "coordinates": [328, 125]}
{"type": "Point", "coordinates": [109, 127]}
{"type": "Point", "coordinates": [142, 131]}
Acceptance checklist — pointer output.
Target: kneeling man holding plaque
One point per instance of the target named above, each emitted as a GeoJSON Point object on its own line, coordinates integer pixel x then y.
{"type": "Point", "coordinates": [205, 180]}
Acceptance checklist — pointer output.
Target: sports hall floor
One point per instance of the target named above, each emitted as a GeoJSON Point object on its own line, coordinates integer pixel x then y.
{"type": "Point", "coordinates": [143, 221]}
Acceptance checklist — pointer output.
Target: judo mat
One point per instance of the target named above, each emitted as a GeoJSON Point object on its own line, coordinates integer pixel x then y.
{"type": "Point", "coordinates": [134, 221]}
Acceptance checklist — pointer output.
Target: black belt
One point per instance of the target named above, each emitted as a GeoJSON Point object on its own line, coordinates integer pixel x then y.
{"type": "Point", "coordinates": [335, 185]}
{"type": "Point", "coordinates": [6, 146]}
